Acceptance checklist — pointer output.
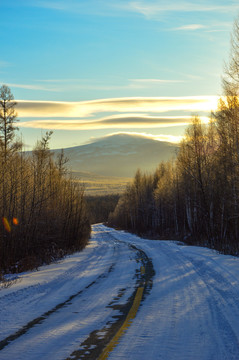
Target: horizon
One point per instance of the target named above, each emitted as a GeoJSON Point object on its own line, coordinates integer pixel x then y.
{"type": "Point", "coordinates": [89, 69]}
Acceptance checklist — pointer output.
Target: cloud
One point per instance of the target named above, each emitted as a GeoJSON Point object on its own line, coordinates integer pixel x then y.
{"type": "Point", "coordinates": [145, 82]}
{"type": "Point", "coordinates": [126, 121]}
{"type": "Point", "coordinates": [63, 85]}
{"type": "Point", "coordinates": [32, 87]}
{"type": "Point", "coordinates": [190, 27]}
{"type": "Point", "coordinates": [28, 108]}
{"type": "Point", "coordinates": [151, 9]}
{"type": "Point", "coordinates": [161, 137]}
{"type": "Point", "coordinates": [148, 8]}
{"type": "Point", "coordinates": [214, 26]}
{"type": "Point", "coordinates": [169, 138]}
{"type": "Point", "coordinates": [216, 31]}
{"type": "Point", "coordinates": [48, 109]}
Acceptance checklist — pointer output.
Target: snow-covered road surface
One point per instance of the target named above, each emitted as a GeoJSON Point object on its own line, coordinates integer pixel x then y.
{"type": "Point", "coordinates": [184, 300]}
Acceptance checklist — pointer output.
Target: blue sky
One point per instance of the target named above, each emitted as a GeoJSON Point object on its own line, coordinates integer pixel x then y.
{"type": "Point", "coordinates": [60, 57]}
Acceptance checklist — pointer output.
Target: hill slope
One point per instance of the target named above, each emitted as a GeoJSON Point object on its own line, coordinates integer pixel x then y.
{"type": "Point", "coordinates": [119, 155]}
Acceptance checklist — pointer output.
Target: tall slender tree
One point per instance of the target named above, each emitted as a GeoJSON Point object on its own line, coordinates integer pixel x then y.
{"type": "Point", "coordinates": [231, 68]}
{"type": "Point", "coordinates": [8, 116]}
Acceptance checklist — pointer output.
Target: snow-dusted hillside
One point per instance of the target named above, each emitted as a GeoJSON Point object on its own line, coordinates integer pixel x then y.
{"type": "Point", "coordinates": [119, 155]}
{"type": "Point", "coordinates": [125, 298]}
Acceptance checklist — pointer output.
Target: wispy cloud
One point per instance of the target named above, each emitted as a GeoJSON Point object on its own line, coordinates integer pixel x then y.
{"type": "Point", "coordinates": [191, 27]}
{"type": "Point", "coordinates": [152, 9]}
{"type": "Point", "coordinates": [149, 8]}
{"type": "Point", "coordinates": [161, 137]}
{"type": "Point", "coordinates": [213, 26]}
{"type": "Point", "coordinates": [32, 87]}
{"type": "Point", "coordinates": [63, 85]}
{"type": "Point", "coordinates": [126, 121]}
{"type": "Point", "coordinates": [46, 109]}
{"type": "Point", "coordinates": [145, 82]}
{"type": "Point", "coordinates": [169, 138]}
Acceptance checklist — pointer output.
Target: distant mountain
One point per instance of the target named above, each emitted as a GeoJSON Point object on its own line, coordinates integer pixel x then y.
{"type": "Point", "coordinates": [119, 155]}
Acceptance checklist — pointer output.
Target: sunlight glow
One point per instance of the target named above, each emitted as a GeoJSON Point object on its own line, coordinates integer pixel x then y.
{"type": "Point", "coordinates": [175, 139]}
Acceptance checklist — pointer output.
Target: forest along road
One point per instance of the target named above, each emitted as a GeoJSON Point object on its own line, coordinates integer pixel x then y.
{"type": "Point", "coordinates": [124, 298]}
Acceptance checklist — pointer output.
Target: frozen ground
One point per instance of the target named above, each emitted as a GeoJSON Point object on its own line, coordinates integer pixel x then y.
{"type": "Point", "coordinates": [189, 308]}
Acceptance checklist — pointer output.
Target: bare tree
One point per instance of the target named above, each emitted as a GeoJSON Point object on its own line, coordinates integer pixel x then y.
{"type": "Point", "coordinates": [231, 69]}
{"type": "Point", "coordinates": [8, 117]}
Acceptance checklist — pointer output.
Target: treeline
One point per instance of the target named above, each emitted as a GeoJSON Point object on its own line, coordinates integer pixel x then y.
{"type": "Point", "coordinates": [100, 206]}
{"type": "Point", "coordinates": [196, 196]}
{"type": "Point", "coordinates": [44, 214]}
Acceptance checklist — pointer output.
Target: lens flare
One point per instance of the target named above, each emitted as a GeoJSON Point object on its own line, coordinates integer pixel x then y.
{"type": "Point", "coordinates": [15, 221]}
{"type": "Point", "coordinates": [6, 224]}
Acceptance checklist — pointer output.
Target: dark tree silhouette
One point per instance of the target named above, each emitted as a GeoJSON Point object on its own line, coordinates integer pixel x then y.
{"type": "Point", "coordinates": [8, 117]}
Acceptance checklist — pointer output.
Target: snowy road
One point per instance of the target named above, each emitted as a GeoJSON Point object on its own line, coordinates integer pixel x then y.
{"type": "Point", "coordinates": [124, 298]}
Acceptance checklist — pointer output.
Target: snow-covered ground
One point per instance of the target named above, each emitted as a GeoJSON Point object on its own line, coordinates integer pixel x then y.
{"type": "Point", "coordinates": [189, 311]}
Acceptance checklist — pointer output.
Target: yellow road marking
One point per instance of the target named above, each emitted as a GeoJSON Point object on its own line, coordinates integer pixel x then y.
{"type": "Point", "coordinates": [131, 315]}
